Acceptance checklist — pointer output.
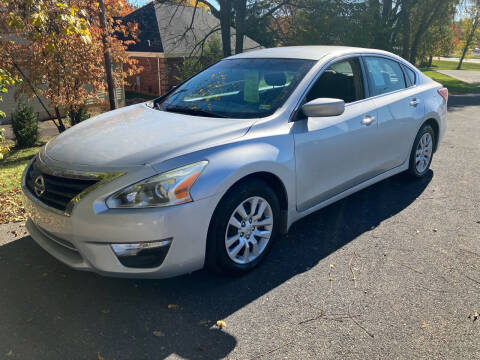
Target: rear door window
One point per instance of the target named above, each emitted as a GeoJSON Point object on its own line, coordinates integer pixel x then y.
{"type": "Point", "coordinates": [384, 75]}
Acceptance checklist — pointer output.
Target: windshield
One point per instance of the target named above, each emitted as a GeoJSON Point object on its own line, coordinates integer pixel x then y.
{"type": "Point", "coordinates": [239, 88]}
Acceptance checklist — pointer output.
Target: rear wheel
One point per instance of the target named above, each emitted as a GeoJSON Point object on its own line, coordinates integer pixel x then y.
{"type": "Point", "coordinates": [243, 228]}
{"type": "Point", "coordinates": [422, 152]}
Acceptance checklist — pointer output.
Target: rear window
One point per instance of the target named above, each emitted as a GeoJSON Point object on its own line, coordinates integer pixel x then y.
{"type": "Point", "coordinates": [410, 76]}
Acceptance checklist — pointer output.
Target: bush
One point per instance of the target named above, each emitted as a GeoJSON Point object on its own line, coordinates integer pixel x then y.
{"type": "Point", "coordinates": [77, 116]}
{"type": "Point", "coordinates": [25, 126]}
{"type": "Point", "coordinates": [4, 149]}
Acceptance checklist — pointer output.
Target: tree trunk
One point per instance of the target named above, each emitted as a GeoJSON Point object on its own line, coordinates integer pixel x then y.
{"type": "Point", "coordinates": [240, 13]}
{"type": "Point", "coordinates": [225, 23]}
{"type": "Point", "coordinates": [405, 19]}
{"type": "Point", "coordinates": [421, 31]}
{"type": "Point", "coordinates": [108, 56]}
{"type": "Point", "coordinates": [430, 60]}
{"type": "Point", "coordinates": [60, 126]}
{"type": "Point", "coordinates": [469, 40]}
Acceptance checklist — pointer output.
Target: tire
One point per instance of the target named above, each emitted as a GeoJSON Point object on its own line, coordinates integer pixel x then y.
{"type": "Point", "coordinates": [417, 169]}
{"type": "Point", "coordinates": [244, 193]}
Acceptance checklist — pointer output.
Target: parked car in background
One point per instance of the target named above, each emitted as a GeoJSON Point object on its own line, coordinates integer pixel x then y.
{"type": "Point", "coordinates": [214, 171]}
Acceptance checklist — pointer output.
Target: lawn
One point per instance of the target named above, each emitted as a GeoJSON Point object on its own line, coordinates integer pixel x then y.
{"type": "Point", "coordinates": [454, 86]}
{"type": "Point", "coordinates": [11, 169]}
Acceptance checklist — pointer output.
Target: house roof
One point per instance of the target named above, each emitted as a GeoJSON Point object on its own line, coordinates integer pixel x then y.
{"type": "Point", "coordinates": [165, 28]}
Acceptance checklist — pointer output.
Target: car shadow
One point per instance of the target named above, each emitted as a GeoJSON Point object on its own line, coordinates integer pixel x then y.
{"type": "Point", "coordinates": [48, 311]}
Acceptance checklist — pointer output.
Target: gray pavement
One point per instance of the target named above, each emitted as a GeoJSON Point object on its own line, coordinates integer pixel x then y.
{"type": "Point", "coordinates": [471, 77]}
{"type": "Point", "coordinates": [394, 269]}
{"type": "Point", "coordinates": [474, 61]}
{"type": "Point", "coordinates": [46, 129]}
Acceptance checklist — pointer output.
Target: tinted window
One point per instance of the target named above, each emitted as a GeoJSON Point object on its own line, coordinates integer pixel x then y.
{"type": "Point", "coordinates": [385, 75]}
{"type": "Point", "coordinates": [239, 88]}
{"type": "Point", "coordinates": [342, 80]}
{"type": "Point", "coordinates": [410, 76]}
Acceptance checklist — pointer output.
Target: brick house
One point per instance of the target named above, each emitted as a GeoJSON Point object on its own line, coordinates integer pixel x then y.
{"type": "Point", "coordinates": [165, 40]}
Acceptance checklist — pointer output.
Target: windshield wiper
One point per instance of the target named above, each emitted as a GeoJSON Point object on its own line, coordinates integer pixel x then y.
{"type": "Point", "coordinates": [190, 111]}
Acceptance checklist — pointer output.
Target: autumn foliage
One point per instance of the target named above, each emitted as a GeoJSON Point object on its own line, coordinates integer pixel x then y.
{"type": "Point", "coordinates": [56, 48]}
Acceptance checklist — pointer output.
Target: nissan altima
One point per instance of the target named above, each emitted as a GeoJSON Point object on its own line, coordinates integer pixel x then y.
{"type": "Point", "coordinates": [211, 173]}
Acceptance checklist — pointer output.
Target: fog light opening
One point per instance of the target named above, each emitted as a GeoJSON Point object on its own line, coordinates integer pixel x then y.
{"type": "Point", "coordinates": [142, 255]}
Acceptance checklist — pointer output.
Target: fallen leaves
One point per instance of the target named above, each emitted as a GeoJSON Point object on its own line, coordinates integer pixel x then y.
{"type": "Point", "coordinates": [173, 306]}
{"type": "Point", "coordinates": [158, 333]}
{"type": "Point", "coordinates": [474, 316]}
{"type": "Point", "coordinates": [221, 324]}
{"type": "Point", "coordinates": [100, 357]}
{"type": "Point", "coordinates": [425, 324]}
{"type": "Point", "coordinates": [11, 207]}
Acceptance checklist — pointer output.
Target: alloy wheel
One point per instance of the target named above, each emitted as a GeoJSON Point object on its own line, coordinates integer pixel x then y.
{"type": "Point", "coordinates": [249, 230]}
{"type": "Point", "coordinates": [423, 154]}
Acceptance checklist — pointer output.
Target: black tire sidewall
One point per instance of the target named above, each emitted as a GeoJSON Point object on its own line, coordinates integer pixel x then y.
{"type": "Point", "coordinates": [426, 128]}
{"type": "Point", "coordinates": [217, 256]}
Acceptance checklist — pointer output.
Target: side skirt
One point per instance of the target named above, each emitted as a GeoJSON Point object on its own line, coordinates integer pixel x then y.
{"type": "Point", "coordinates": [295, 215]}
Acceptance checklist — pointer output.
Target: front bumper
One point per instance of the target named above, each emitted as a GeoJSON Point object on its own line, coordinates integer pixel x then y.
{"type": "Point", "coordinates": [83, 239]}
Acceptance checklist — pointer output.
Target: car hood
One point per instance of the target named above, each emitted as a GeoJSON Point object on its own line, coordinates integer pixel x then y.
{"type": "Point", "coordinates": [138, 134]}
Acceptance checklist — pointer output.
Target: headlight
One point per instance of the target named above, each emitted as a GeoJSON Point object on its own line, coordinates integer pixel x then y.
{"type": "Point", "coordinates": [169, 188]}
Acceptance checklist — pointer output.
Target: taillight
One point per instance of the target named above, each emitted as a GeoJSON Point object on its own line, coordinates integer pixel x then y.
{"type": "Point", "coordinates": [443, 92]}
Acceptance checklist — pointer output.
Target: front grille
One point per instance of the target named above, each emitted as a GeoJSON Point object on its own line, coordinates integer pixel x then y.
{"type": "Point", "coordinates": [58, 191]}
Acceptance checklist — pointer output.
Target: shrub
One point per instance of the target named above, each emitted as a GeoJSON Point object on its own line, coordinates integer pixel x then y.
{"type": "Point", "coordinates": [77, 116]}
{"type": "Point", "coordinates": [4, 149]}
{"type": "Point", "coordinates": [25, 126]}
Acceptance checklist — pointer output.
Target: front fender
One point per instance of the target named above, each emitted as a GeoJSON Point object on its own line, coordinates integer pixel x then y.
{"type": "Point", "coordinates": [230, 163]}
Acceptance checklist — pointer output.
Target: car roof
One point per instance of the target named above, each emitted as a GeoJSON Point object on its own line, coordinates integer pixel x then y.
{"type": "Point", "coordinates": [307, 52]}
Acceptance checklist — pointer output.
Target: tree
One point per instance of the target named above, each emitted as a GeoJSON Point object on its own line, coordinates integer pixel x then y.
{"type": "Point", "coordinates": [56, 48]}
{"type": "Point", "coordinates": [211, 53]}
{"type": "Point", "coordinates": [6, 80]}
{"type": "Point", "coordinates": [233, 13]}
{"type": "Point", "coordinates": [439, 40]}
{"type": "Point", "coordinates": [470, 29]}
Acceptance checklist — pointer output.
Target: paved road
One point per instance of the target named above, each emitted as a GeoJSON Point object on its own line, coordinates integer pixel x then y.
{"type": "Point", "coordinates": [413, 249]}
{"type": "Point", "coordinates": [475, 61]}
{"type": "Point", "coordinates": [46, 129]}
{"type": "Point", "coordinates": [471, 77]}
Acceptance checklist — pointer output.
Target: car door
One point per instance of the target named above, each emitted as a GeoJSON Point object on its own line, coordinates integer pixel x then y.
{"type": "Point", "coordinates": [335, 153]}
{"type": "Point", "coordinates": [399, 108]}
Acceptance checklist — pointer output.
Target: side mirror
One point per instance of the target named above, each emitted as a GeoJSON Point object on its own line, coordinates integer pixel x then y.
{"type": "Point", "coordinates": [324, 107]}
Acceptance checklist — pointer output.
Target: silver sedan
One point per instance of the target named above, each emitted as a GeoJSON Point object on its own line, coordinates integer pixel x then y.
{"type": "Point", "coordinates": [211, 173]}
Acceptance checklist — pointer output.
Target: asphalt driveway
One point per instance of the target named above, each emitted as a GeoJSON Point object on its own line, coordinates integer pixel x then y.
{"type": "Point", "coordinates": [392, 272]}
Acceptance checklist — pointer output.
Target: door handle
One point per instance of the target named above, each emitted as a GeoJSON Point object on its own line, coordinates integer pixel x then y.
{"type": "Point", "coordinates": [414, 102]}
{"type": "Point", "coordinates": [368, 120]}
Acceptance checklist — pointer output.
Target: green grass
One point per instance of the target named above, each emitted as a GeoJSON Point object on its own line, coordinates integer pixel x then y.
{"type": "Point", "coordinates": [12, 166]}
{"type": "Point", "coordinates": [454, 86]}
{"type": "Point", "coordinates": [11, 169]}
{"type": "Point", "coordinates": [451, 65]}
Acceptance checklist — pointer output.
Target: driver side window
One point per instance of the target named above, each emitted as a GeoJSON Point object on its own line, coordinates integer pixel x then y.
{"type": "Point", "coordinates": [342, 80]}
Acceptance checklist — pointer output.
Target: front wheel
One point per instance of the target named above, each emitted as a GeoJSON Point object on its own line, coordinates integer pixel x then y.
{"type": "Point", "coordinates": [422, 152]}
{"type": "Point", "coordinates": [243, 228]}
